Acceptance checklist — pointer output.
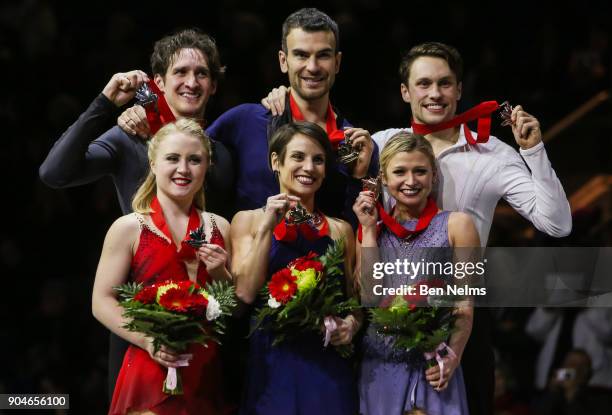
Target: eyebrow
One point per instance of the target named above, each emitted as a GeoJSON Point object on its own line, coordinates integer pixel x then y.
{"type": "Point", "coordinates": [198, 68]}
{"type": "Point", "coordinates": [426, 78]}
{"type": "Point", "coordinates": [292, 152]}
{"type": "Point", "coordinates": [298, 50]}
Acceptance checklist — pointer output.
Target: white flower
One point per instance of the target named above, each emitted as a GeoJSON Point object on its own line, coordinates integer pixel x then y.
{"type": "Point", "coordinates": [272, 303]}
{"type": "Point", "coordinates": [213, 311]}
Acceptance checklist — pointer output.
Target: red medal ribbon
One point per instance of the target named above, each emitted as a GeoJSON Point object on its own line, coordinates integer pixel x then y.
{"type": "Point", "coordinates": [157, 216]}
{"type": "Point", "coordinates": [163, 115]}
{"type": "Point", "coordinates": [396, 228]}
{"type": "Point", "coordinates": [335, 135]}
{"type": "Point", "coordinates": [288, 232]}
{"type": "Point", "coordinates": [481, 112]}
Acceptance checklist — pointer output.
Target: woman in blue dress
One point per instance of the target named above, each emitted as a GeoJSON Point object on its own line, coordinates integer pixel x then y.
{"type": "Point", "coordinates": [300, 376]}
{"type": "Point", "coordinates": [393, 381]}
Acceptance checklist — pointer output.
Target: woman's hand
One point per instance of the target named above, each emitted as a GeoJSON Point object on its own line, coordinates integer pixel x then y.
{"type": "Point", "coordinates": [164, 356]}
{"type": "Point", "coordinates": [451, 362]}
{"type": "Point", "coordinates": [276, 208]}
{"type": "Point", "coordinates": [275, 101]}
{"type": "Point", "coordinates": [215, 259]}
{"type": "Point", "coordinates": [365, 209]}
{"type": "Point", "coordinates": [346, 328]}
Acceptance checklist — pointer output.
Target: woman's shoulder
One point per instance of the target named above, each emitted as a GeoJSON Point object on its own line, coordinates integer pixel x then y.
{"type": "Point", "coordinates": [248, 215]}
{"type": "Point", "coordinates": [219, 220]}
{"type": "Point", "coordinates": [126, 228]}
{"type": "Point", "coordinates": [459, 218]}
{"type": "Point", "coordinates": [338, 227]}
{"type": "Point", "coordinates": [129, 223]}
{"type": "Point", "coordinates": [246, 220]}
{"type": "Point", "coordinates": [462, 230]}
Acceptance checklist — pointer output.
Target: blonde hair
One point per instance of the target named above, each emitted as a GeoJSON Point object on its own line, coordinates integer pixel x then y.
{"type": "Point", "coordinates": [141, 203]}
{"type": "Point", "coordinates": [406, 142]}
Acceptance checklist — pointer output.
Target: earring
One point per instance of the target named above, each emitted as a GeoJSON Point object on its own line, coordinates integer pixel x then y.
{"type": "Point", "coordinates": [276, 174]}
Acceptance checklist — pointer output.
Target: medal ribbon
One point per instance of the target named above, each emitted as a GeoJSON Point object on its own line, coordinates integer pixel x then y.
{"type": "Point", "coordinates": [396, 228]}
{"type": "Point", "coordinates": [335, 135]}
{"type": "Point", "coordinates": [481, 112]}
{"type": "Point", "coordinates": [163, 115]}
{"type": "Point", "coordinates": [287, 232]}
{"type": "Point", "coordinates": [186, 251]}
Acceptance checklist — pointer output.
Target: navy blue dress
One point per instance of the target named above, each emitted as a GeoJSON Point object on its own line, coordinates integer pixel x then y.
{"type": "Point", "coordinates": [300, 376]}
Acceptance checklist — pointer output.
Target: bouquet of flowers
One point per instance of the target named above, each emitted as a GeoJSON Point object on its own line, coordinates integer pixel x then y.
{"type": "Point", "coordinates": [305, 296]}
{"type": "Point", "coordinates": [416, 322]}
{"type": "Point", "coordinates": [176, 314]}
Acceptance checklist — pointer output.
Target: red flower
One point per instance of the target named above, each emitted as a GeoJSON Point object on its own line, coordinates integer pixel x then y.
{"type": "Point", "coordinates": [197, 304]}
{"type": "Point", "coordinates": [175, 300]}
{"type": "Point", "coordinates": [282, 285]}
{"type": "Point", "coordinates": [186, 285]}
{"type": "Point", "coordinates": [305, 262]}
{"type": "Point", "coordinates": [146, 295]}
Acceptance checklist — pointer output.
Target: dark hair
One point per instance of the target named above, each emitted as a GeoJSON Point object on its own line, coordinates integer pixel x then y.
{"type": "Point", "coordinates": [282, 137]}
{"type": "Point", "coordinates": [436, 50]}
{"type": "Point", "coordinates": [310, 20]}
{"type": "Point", "coordinates": [166, 49]}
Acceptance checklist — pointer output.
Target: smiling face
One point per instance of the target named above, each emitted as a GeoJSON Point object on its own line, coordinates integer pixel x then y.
{"type": "Point", "coordinates": [431, 90]}
{"type": "Point", "coordinates": [311, 62]}
{"type": "Point", "coordinates": [179, 166]}
{"type": "Point", "coordinates": [302, 170]}
{"type": "Point", "coordinates": [409, 178]}
{"type": "Point", "coordinates": [187, 84]}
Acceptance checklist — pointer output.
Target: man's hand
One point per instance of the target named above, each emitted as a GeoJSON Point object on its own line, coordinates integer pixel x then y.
{"type": "Point", "coordinates": [526, 128]}
{"type": "Point", "coordinates": [363, 143]}
{"type": "Point", "coordinates": [134, 122]}
{"type": "Point", "coordinates": [123, 85]}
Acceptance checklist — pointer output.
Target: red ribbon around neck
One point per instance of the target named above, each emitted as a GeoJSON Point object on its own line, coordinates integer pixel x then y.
{"type": "Point", "coordinates": [288, 232]}
{"type": "Point", "coordinates": [335, 135]}
{"type": "Point", "coordinates": [157, 216]}
{"type": "Point", "coordinates": [396, 228]}
{"type": "Point", "coordinates": [481, 112]}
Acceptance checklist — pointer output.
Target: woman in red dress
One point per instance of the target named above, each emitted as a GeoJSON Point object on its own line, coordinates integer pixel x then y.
{"type": "Point", "coordinates": [149, 246]}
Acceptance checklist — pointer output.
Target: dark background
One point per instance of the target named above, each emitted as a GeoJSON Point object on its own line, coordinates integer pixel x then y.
{"type": "Point", "coordinates": [55, 57]}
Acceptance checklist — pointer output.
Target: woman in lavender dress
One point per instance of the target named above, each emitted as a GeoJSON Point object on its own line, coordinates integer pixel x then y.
{"type": "Point", "coordinates": [394, 381]}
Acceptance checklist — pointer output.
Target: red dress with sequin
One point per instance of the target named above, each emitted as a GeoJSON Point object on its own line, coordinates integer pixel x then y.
{"type": "Point", "coordinates": [140, 381]}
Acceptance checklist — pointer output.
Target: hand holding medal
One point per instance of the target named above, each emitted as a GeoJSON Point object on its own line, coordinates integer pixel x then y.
{"type": "Point", "coordinates": [525, 127]}
{"type": "Point", "coordinates": [365, 206]}
{"type": "Point", "coordinates": [276, 208]}
{"type": "Point", "coordinates": [121, 87]}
